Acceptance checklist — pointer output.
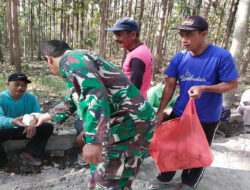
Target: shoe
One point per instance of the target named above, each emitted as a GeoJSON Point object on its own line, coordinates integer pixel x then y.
{"type": "Point", "coordinates": [170, 186]}
{"type": "Point", "coordinates": [182, 187]}
{"type": "Point", "coordinates": [33, 162]}
{"type": "Point", "coordinates": [80, 161]}
{"type": "Point", "coordinates": [246, 128]}
{"type": "Point", "coordinates": [219, 133]}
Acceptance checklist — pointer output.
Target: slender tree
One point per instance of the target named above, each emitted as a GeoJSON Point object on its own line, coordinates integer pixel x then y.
{"type": "Point", "coordinates": [130, 7]}
{"type": "Point", "coordinates": [11, 31]}
{"type": "Point", "coordinates": [14, 34]}
{"type": "Point", "coordinates": [239, 39]}
{"type": "Point", "coordinates": [220, 21]}
{"type": "Point", "coordinates": [246, 63]}
{"type": "Point", "coordinates": [141, 13]}
{"type": "Point", "coordinates": [1, 53]}
{"type": "Point", "coordinates": [39, 32]}
{"type": "Point", "coordinates": [103, 26]}
{"type": "Point", "coordinates": [197, 8]}
{"type": "Point", "coordinates": [207, 8]}
{"type": "Point", "coordinates": [159, 41]}
{"type": "Point", "coordinates": [54, 19]}
{"type": "Point", "coordinates": [31, 30]}
{"type": "Point", "coordinates": [230, 22]}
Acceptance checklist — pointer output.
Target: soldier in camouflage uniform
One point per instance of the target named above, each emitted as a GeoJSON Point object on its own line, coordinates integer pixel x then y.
{"type": "Point", "coordinates": [118, 122]}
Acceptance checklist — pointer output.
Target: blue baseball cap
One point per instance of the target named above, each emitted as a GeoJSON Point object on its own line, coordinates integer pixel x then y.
{"type": "Point", "coordinates": [128, 24]}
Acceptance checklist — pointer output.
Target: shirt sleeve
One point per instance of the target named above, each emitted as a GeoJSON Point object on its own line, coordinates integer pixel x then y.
{"type": "Point", "coordinates": [89, 96]}
{"type": "Point", "coordinates": [137, 70]}
{"type": "Point", "coordinates": [5, 122]}
{"type": "Point", "coordinates": [171, 70]}
{"type": "Point", "coordinates": [227, 69]}
{"type": "Point", "coordinates": [63, 110]}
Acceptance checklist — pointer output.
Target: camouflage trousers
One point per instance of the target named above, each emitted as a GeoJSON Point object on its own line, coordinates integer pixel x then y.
{"type": "Point", "coordinates": [121, 163]}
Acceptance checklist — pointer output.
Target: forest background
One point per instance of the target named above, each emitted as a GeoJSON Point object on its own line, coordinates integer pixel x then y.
{"type": "Point", "coordinates": [26, 24]}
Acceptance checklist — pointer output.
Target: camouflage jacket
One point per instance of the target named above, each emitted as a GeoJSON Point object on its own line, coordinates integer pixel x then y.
{"type": "Point", "coordinates": [110, 106]}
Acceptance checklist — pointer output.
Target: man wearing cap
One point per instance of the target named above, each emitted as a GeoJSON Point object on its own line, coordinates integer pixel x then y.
{"type": "Point", "coordinates": [118, 123]}
{"type": "Point", "coordinates": [15, 103]}
{"type": "Point", "coordinates": [138, 65]}
{"type": "Point", "coordinates": [204, 73]}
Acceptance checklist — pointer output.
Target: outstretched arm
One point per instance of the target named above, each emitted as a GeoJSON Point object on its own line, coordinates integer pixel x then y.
{"type": "Point", "coordinates": [167, 94]}
{"type": "Point", "coordinates": [196, 91]}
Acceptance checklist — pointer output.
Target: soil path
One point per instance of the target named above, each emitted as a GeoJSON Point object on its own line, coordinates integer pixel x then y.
{"type": "Point", "coordinates": [229, 171]}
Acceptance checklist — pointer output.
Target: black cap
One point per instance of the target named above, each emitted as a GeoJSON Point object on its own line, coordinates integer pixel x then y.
{"type": "Point", "coordinates": [193, 23]}
{"type": "Point", "coordinates": [128, 24]}
{"type": "Point", "coordinates": [18, 76]}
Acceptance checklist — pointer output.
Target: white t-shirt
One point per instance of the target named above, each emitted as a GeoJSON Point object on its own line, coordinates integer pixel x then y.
{"type": "Point", "coordinates": [245, 97]}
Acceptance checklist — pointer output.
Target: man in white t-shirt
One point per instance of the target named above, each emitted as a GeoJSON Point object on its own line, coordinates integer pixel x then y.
{"type": "Point", "coordinates": [244, 109]}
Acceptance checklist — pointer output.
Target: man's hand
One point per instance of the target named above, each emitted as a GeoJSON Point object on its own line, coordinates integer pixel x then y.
{"type": "Point", "coordinates": [159, 116]}
{"type": "Point", "coordinates": [18, 121]}
{"type": "Point", "coordinates": [195, 92]}
{"type": "Point", "coordinates": [30, 132]}
{"type": "Point", "coordinates": [92, 153]}
{"type": "Point", "coordinates": [41, 118]}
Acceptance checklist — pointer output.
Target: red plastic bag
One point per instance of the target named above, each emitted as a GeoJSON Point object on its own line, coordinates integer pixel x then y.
{"type": "Point", "coordinates": [181, 143]}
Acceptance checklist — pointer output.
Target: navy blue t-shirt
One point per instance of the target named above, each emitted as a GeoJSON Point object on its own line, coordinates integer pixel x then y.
{"type": "Point", "coordinates": [213, 66]}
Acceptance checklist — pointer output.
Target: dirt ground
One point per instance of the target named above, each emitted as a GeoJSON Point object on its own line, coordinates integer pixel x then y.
{"type": "Point", "coordinates": [229, 171]}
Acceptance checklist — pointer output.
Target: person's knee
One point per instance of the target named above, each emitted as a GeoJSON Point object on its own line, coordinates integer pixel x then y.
{"type": "Point", "coordinates": [46, 128]}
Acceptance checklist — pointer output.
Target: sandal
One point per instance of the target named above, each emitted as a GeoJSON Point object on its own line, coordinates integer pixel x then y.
{"type": "Point", "coordinates": [159, 185]}
{"type": "Point", "coordinates": [185, 188]}
{"type": "Point", "coordinates": [33, 162]}
{"type": "Point", "coordinates": [80, 161]}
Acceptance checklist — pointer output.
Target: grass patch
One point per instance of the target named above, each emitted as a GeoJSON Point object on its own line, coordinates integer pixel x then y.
{"type": "Point", "coordinates": [48, 86]}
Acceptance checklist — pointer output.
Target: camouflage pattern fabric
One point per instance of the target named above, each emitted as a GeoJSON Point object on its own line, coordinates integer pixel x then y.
{"type": "Point", "coordinates": [120, 165]}
{"type": "Point", "coordinates": [113, 112]}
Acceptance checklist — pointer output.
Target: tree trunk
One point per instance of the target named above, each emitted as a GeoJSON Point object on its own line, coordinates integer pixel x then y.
{"type": "Point", "coordinates": [62, 12]}
{"type": "Point", "coordinates": [129, 15]}
{"type": "Point", "coordinates": [14, 33]}
{"type": "Point", "coordinates": [238, 42]}
{"type": "Point", "coordinates": [122, 7]}
{"type": "Point", "coordinates": [1, 54]}
{"type": "Point", "coordinates": [54, 19]}
{"type": "Point", "coordinates": [130, 7]}
{"type": "Point", "coordinates": [68, 29]}
{"type": "Point", "coordinates": [6, 33]}
{"type": "Point", "coordinates": [230, 22]}
{"type": "Point", "coordinates": [46, 21]}
{"type": "Point", "coordinates": [152, 47]}
{"type": "Point", "coordinates": [207, 8]}
{"type": "Point", "coordinates": [82, 23]}
{"type": "Point", "coordinates": [50, 21]}
{"type": "Point", "coordinates": [247, 61]}
{"type": "Point", "coordinates": [159, 37]}
{"type": "Point", "coordinates": [150, 27]}
{"type": "Point", "coordinates": [72, 31]}
{"type": "Point", "coordinates": [76, 33]}
{"type": "Point", "coordinates": [165, 35]}
{"type": "Point", "coordinates": [141, 13]}
{"type": "Point", "coordinates": [136, 1]}
{"type": "Point", "coordinates": [197, 9]}
{"type": "Point", "coordinates": [220, 21]}
{"type": "Point", "coordinates": [103, 26]}
{"type": "Point", "coordinates": [10, 24]}
{"type": "Point", "coordinates": [39, 31]}
{"type": "Point", "coordinates": [31, 40]}
{"type": "Point", "coordinates": [240, 32]}
{"type": "Point", "coordinates": [115, 8]}
{"type": "Point", "coordinates": [24, 29]}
